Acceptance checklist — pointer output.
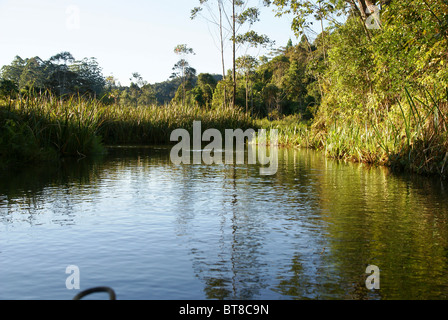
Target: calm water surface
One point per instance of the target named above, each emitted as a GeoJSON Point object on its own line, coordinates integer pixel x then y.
{"type": "Point", "coordinates": [153, 230]}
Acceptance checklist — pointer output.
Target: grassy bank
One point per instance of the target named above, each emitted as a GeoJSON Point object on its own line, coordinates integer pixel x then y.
{"type": "Point", "coordinates": [411, 136]}
{"type": "Point", "coordinates": [154, 124]}
{"type": "Point", "coordinates": [47, 128]}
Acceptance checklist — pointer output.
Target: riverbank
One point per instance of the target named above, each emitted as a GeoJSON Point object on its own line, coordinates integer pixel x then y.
{"type": "Point", "coordinates": [409, 136]}
{"type": "Point", "coordinates": [47, 128]}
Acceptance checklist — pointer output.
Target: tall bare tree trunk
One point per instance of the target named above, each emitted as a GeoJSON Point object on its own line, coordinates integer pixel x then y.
{"type": "Point", "coordinates": [362, 9]}
{"type": "Point", "coordinates": [361, 13]}
{"type": "Point", "coordinates": [222, 51]}
{"type": "Point", "coordinates": [221, 39]}
{"type": "Point", "coordinates": [323, 34]}
{"type": "Point", "coordinates": [234, 52]}
{"type": "Point", "coordinates": [247, 93]}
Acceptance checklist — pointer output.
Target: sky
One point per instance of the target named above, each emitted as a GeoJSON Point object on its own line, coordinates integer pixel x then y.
{"type": "Point", "coordinates": [124, 36]}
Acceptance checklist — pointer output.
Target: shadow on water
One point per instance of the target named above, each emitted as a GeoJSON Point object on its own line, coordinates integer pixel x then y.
{"type": "Point", "coordinates": [308, 232]}
{"type": "Point", "coordinates": [30, 180]}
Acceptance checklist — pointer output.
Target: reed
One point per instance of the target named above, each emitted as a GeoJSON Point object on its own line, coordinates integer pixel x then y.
{"type": "Point", "coordinates": [154, 124]}
{"type": "Point", "coordinates": [46, 127]}
{"type": "Point", "coordinates": [292, 131]}
{"type": "Point", "coordinates": [425, 146]}
{"type": "Point", "coordinates": [412, 135]}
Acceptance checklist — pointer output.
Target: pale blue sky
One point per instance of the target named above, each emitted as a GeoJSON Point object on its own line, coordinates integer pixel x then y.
{"type": "Point", "coordinates": [125, 36]}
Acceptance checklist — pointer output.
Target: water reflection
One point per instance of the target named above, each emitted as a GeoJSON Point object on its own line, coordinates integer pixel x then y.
{"type": "Point", "coordinates": [225, 231]}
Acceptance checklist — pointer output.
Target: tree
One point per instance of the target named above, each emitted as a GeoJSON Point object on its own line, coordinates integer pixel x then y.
{"type": "Point", "coordinates": [187, 77]}
{"type": "Point", "coordinates": [229, 18]}
{"type": "Point", "coordinates": [14, 71]}
{"type": "Point", "coordinates": [147, 96]}
{"type": "Point", "coordinates": [26, 74]}
{"type": "Point", "coordinates": [182, 68]}
{"type": "Point", "coordinates": [33, 75]}
{"type": "Point", "coordinates": [216, 15]}
{"type": "Point", "coordinates": [247, 64]}
{"type": "Point", "coordinates": [112, 90]}
{"type": "Point", "coordinates": [89, 78]}
{"type": "Point", "coordinates": [245, 15]}
{"type": "Point", "coordinates": [324, 10]}
{"type": "Point", "coordinates": [165, 91]}
{"type": "Point", "coordinates": [60, 73]}
{"type": "Point", "coordinates": [207, 85]}
{"type": "Point", "coordinates": [271, 93]}
{"type": "Point", "coordinates": [137, 79]}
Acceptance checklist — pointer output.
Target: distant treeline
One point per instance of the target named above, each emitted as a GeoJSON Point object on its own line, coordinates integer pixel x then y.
{"type": "Point", "coordinates": [280, 84]}
{"type": "Point", "coordinates": [63, 75]}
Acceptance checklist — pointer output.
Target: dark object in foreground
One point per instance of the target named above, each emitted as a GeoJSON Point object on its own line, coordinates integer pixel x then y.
{"type": "Point", "coordinates": [87, 292]}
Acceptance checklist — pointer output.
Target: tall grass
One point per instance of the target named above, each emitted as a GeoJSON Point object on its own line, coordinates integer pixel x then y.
{"type": "Point", "coordinates": [417, 140]}
{"type": "Point", "coordinates": [154, 124]}
{"type": "Point", "coordinates": [292, 131]}
{"type": "Point", "coordinates": [412, 135]}
{"type": "Point", "coordinates": [46, 127]}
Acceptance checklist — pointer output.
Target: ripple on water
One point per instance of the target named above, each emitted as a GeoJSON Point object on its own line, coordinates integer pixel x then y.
{"type": "Point", "coordinates": [152, 230]}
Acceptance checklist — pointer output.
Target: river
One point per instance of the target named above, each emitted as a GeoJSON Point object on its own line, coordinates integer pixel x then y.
{"type": "Point", "coordinates": [133, 221]}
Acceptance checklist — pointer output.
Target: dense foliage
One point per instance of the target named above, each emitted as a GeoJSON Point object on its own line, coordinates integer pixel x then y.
{"type": "Point", "coordinates": [372, 87]}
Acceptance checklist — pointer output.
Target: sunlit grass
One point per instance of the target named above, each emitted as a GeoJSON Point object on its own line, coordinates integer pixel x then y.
{"type": "Point", "coordinates": [292, 131]}
{"type": "Point", "coordinates": [46, 127]}
{"type": "Point", "coordinates": [412, 135]}
{"type": "Point", "coordinates": [154, 124]}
